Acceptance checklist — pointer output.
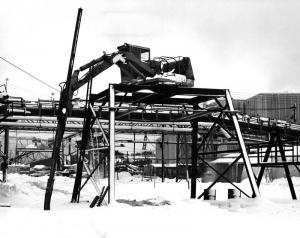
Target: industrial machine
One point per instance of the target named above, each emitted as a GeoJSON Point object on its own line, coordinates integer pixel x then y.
{"type": "Point", "coordinates": [136, 67]}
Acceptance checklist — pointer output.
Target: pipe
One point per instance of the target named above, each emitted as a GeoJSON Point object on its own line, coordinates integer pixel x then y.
{"type": "Point", "coordinates": [74, 119]}
{"type": "Point", "coordinates": [79, 126]}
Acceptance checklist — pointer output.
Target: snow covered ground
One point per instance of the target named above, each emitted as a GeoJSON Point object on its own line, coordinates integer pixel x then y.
{"type": "Point", "coordinates": [146, 209]}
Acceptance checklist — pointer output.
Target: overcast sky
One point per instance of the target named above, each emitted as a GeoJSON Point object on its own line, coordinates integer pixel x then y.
{"type": "Point", "coordinates": [246, 46]}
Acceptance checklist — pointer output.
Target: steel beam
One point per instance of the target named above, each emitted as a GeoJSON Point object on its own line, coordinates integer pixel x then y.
{"type": "Point", "coordinates": [247, 163]}
{"type": "Point", "coordinates": [174, 89]}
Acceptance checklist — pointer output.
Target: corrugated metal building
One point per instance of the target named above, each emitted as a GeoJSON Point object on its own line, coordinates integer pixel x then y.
{"type": "Point", "coordinates": [272, 105]}
{"type": "Point", "coordinates": [183, 151]}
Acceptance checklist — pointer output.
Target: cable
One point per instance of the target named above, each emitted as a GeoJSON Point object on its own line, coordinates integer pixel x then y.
{"type": "Point", "coordinates": [28, 74]}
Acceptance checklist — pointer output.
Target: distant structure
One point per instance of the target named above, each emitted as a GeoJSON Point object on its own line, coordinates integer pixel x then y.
{"type": "Point", "coordinates": [282, 106]}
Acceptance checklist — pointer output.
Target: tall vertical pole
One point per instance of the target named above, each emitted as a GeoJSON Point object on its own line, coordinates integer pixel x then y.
{"type": "Point", "coordinates": [63, 111]}
{"type": "Point", "coordinates": [194, 158]}
{"type": "Point", "coordinates": [111, 179]}
{"type": "Point", "coordinates": [133, 146]}
{"type": "Point", "coordinates": [247, 163]}
{"type": "Point", "coordinates": [162, 158]}
{"type": "Point", "coordinates": [6, 149]}
{"type": "Point", "coordinates": [63, 155]}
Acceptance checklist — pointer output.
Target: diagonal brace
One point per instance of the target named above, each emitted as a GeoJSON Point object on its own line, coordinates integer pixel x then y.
{"type": "Point", "coordinates": [222, 174]}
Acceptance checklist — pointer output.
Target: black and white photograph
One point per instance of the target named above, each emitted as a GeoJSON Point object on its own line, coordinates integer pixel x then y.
{"type": "Point", "coordinates": [158, 118]}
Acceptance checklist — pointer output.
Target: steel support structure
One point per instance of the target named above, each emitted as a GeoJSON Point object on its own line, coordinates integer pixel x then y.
{"type": "Point", "coordinates": [143, 108]}
{"type": "Point", "coordinates": [286, 168]}
{"type": "Point", "coordinates": [168, 106]}
{"type": "Point", "coordinates": [90, 176]}
{"type": "Point", "coordinates": [222, 175]}
{"type": "Point", "coordinates": [6, 141]}
{"type": "Point", "coordinates": [164, 95]}
{"type": "Point", "coordinates": [276, 142]}
{"type": "Point", "coordinates": [241, 142]}
{"type": "Point", "coordinates": [162, 157]}
{"type": "Point", "coordinates": [80, 163]}
{"type": "Point", "coordinates": [111, 175]}
{"type": "Point", "coordinates": [194, 158]}
{"type": "Point", "coordinates": [6, 151]}
{"type": "Point", "coordinates": [87, 128]}
{"type": "Point", "coordinates": [177, 156]}
{"type": "Point", "coordinates": [227, 110]}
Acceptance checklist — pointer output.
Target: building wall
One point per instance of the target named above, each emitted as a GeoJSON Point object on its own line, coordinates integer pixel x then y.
{"type": "Point", "coordinates": [271, 105]}
{"type": "Point", "coordinates": [170, 149]}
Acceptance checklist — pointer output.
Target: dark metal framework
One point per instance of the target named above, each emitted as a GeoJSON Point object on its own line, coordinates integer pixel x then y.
{"type": "Point", "coordinates": [277, 143]}
{"type": "Point", "coordinates": [159, 108]}
{"type": "Point", "coordinates": [178, 110]}
{"type": "Point", "coordinates": [165, 103]}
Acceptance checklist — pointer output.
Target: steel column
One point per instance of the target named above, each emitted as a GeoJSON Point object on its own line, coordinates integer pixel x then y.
{"type": "Point", "coordinates": [162, 158]}
{"type": "Point", "coordinates": [194, 158]}
{"type": "Point", "coordinates": [177, 157]}
{"type": "Point", "coordinates": [6, 141]}
{"type": "Point", "coordinates": [111, 179]}
{"type": "Point", "coordinates": [80, 163]}
{"type": "Point", "coordinates": [133, 146]}
{"type": "Point", "coordinates": [6, 149]}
